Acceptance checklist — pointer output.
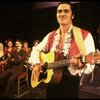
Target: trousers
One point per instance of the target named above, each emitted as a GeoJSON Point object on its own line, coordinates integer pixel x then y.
{"type": "Point", "coordinates": [67, 88]}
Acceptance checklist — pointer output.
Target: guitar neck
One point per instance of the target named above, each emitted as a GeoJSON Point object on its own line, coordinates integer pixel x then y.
{"type": "Point", "coordinates": [58, 64]}
{"type": "Point", "coordinates": [92, 58]}
{"type": "Point", "coordinates": [62, 63]}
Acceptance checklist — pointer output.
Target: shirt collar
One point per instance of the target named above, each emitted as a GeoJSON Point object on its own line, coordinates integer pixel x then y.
{"type": "Point", "coordinates": [69, 30]}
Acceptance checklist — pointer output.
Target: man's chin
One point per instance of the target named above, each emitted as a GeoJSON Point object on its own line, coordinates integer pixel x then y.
{"type": "Point", "coordinates": [63, 24]}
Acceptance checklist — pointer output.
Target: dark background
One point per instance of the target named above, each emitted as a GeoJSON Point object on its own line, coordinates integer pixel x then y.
{"type": "Point", "coordinates": [20, 20]}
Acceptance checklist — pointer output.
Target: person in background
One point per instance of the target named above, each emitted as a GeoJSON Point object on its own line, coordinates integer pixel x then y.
{"type": "Point", "coordinates": [16, 67]}
{"type": "Point", "coordinates": [9, 47]}
{"type": "Point", "coordinates": [35, 43]}
{"type": "Point", "coordinates": [3, 58]}
{"type": "Point", "coordinates": [67, 42]}
{"type": "Point", "coordinates": [98, 38]}
{"type": "Point", "coordinates": [26, 48]}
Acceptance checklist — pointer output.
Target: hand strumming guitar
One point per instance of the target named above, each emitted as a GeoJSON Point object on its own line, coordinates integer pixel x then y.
{"type": "Point", "coordinates": [35, 71]}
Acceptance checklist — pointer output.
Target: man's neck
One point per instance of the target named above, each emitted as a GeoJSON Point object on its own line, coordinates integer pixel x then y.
{"type": "Point", "coordinates": [64, 28]}
{"type": "Point", "coordinates": [18, 49]}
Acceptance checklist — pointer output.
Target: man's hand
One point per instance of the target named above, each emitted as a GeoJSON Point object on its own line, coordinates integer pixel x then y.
{"type": "Point", "coordinates": [76, 61]}
{"type": "Point", "coordinates": [36, 71]}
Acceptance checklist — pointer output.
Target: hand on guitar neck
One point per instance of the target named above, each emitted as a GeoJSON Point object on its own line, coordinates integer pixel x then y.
{"type": "Point", "coordinates": [76, 61]}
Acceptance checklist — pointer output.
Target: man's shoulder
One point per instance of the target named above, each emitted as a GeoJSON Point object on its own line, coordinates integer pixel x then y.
{"type": "Point", "coordinates": [83, 30]}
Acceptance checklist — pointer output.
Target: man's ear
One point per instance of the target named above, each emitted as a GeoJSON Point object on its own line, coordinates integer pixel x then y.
{"type": "Point", "coordinates": [72, 16]}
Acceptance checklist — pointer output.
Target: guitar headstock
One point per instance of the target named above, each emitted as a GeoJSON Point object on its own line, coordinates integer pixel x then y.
{"type": "Point", "coordinates": [93, 58]}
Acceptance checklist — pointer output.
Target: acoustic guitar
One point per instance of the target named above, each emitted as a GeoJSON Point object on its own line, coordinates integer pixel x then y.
{"type": "Point", "coordinates": [52, 68]}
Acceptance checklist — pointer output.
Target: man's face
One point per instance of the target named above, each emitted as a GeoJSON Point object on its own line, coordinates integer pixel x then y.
{"type": "Point", "coordinates": [18, 45]}
{"type": "Point", "coordinates": [64, 14]}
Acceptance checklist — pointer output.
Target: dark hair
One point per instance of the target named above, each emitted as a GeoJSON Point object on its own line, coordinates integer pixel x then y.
{"type": "Point", "coordinates": [69, 3]}
{"type": "Point", "coordinates": [9, 40]}
{"type": "Point", "coordinates": [25, 42]}
{"type": "Point", "coordinates": [35, 41]}
{"type": "Point", "coordinates": [18, 40]}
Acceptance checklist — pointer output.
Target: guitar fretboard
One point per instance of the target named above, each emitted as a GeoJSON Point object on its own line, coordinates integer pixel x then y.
{"type": "Point", "coordinates": [58, 64]}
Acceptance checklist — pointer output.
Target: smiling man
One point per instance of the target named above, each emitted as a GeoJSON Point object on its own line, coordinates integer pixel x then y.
{"type": "Point", "coordinates": [67, 42]}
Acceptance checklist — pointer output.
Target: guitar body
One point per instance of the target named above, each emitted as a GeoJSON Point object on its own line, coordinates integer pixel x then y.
{"type": "Point", "coordinates": [49, 58]}
{"type": "Point", "coordinates": [53, 76]}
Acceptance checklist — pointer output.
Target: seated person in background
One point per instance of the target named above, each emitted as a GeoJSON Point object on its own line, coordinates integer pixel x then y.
{"type": "Point", "coordinates": [9, 47]}
{"type": "Point", "coordinates": [3, 58]}
{"type": "Point", "coordinates": [35, 43]}
{"type": "Point", "coordinates": [26, 48]}
{"type": "Point", "coordinates": [16, 67]}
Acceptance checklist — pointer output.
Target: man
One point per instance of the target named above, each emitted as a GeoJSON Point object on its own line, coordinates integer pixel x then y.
{"type": "Point", "coordinates": [15, 67]}
{"type": "Point", "coordinates": [64, 41]}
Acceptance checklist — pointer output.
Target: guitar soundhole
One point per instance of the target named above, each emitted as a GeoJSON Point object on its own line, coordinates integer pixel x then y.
{"type": "Point", "coordinates": [42, 76]}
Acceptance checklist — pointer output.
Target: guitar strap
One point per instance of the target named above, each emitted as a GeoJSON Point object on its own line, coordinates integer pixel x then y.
{"type": "Point", "coordinates": [79, 40]}
{"type": "Point", "coordinates": [80, 43]}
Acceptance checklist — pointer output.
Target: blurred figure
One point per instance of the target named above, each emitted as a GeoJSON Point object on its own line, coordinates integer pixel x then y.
{"type": "Point", "coordinates": [27, 48]}
{"type": "Point", "coordinates": [35, 43]}
{"type": "Point", "coordinates": [3, 58]}
{"type": "Point", "coordinates": [16, 67]}
{"type": "Point", "coordinates": [9, 47]}
{"type": "Point", "coordinates": [98, 38]}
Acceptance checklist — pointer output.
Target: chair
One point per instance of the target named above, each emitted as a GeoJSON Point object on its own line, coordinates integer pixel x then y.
{"type": "Point", "coordinates": [2, 68]}
{"type": "Point", "coordinates": [22, 84]}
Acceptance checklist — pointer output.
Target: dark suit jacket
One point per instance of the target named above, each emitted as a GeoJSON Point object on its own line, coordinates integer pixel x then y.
{"type": "Point", "coordinates": [17, 58]}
